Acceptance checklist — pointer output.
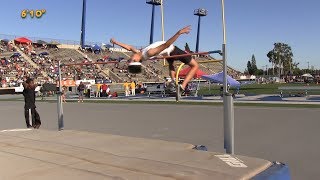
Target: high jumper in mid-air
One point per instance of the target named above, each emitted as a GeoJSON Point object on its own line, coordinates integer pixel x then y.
{"type": "Point", "coordinates": [165, 49]}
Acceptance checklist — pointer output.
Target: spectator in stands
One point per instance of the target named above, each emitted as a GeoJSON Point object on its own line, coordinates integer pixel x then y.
{"type": "Point", "coordinates": [126, 88]}
{"type": "Point", "coordinates": [81, 88]}
{"type": "Point", "coordinates": [133, 88]}
{"type": "Point", "coordinates": [165, 48]}
{"type": "Point", "coordinates": [113, 95]}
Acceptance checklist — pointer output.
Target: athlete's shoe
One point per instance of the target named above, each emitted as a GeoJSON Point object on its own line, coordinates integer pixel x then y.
{"type": "Point", "coordinates": [181, 90]}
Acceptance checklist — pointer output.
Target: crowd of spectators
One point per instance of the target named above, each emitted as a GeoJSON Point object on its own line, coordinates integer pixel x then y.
{"type": "Point", "coordinates": [49, 63]}
{"type": "Point", "coordinates": [14, 67]}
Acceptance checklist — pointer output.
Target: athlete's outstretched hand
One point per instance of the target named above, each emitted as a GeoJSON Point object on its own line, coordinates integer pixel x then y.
{"type": "Point", "coordinates": [185, 30]}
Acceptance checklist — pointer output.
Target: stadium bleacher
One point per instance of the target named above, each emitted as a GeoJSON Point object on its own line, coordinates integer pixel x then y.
{"type": "Point", "coordinates": [44, 59]}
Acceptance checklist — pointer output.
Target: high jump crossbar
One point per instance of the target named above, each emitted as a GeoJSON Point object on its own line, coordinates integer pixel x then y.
{"type": "Point", "coordinates": [188, 54]}
{"type": "Point", "coordinates": [200, 62]}
{"type": "Point", "coordinates": [93, 63]}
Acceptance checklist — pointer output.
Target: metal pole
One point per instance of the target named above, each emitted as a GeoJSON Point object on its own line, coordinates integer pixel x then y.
{"type": "Point", "coordinates": [198, 34]}
{"type": "Point", "coordinates": [162, 26]}
{"type": "Point", "coordinates": [152, 25]}
{"type": "Point", "coordinates": [83, 25]}
{"type": "Point", "coordinates": [227, 97]}
{"type": "Point", "coordinates": [60, 107]}
{"type": "Point", "coordinates": [162, 20]}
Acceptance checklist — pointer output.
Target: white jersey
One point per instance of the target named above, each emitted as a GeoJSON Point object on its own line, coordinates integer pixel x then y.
{"type": "Point", "coordinates": [165, 52]}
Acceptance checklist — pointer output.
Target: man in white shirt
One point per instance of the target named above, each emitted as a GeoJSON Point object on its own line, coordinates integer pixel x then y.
{"type": "Point", "coordinates": [164, 48]}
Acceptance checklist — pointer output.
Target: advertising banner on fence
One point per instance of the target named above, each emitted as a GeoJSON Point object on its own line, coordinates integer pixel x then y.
{"type": "Point", "coordinates": [67, 83]}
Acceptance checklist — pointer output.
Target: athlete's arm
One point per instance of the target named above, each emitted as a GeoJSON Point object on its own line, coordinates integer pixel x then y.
{"type": "Point", "coordinates": [125, 46]}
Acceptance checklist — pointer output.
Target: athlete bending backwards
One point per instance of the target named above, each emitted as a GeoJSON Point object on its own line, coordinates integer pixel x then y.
{"type": "Point", "coordinates": [164, 48]}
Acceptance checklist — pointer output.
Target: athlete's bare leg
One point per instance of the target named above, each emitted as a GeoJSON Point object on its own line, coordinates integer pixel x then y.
{"type": "Point", "coordinates": [194, 67]}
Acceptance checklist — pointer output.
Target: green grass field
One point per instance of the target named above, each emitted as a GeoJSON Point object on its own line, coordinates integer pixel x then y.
{"type": "Point", "coordinates": [253, 89]}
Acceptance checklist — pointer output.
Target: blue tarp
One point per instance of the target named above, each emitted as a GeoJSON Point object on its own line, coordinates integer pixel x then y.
{"type": "Point", "coordinates": [44, 54]}
{"type": "Point", "coordinates": [218, 78]}
{"type": "Point", "coordinates": [96, 47]}
{"type": "Point", "coordinates": [16, 54]}
{"type": "Point", "coordinates": [5, 40]}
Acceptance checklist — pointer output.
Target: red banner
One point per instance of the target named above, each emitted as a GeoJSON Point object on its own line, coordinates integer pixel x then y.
{"type": "Point", "coordinates": [67, 83]}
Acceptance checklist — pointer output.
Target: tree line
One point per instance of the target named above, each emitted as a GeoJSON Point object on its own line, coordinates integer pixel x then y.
{"type": "Point", "coordinates": [281, 59]}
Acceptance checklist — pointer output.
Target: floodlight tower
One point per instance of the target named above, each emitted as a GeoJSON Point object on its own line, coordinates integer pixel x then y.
{"type": "Point", "coordinates": [83, 24]}
{"type": "Point", "coordinates": [153, 3]}
{"type": "Point", "coordinates": [200, 13]}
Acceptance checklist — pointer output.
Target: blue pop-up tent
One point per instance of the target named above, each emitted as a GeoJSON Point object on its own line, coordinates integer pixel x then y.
{"type": "Point", "coordinates": [44, 54]}
{"type": "Point", "coordinates": [96, 49]}
{"type": "Point", "coordinates": [218, 78]}
{"type": "Point", "coordinates": [5, 40]}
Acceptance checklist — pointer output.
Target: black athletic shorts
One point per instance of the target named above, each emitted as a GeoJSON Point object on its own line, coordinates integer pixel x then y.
{"type": "Point", "coordinates": [178, 51]}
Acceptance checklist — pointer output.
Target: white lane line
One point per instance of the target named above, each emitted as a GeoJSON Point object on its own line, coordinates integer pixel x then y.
{"type": "Point", "coordinates": [16, 130]}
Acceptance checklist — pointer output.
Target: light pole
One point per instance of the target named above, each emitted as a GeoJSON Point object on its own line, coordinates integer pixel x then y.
{"type": "Point", "coordinates": [162, 20]}
{"type": "Point", "coordinates": [279, 66]}
{"type": "Point", "coordinates": [228, 108]}
{"type": "Point", "coordinates": [200, 13]}
{"type": "Point", "coordinates": [83, 24]}
{"type": "Point", "coordinates": [162, 26]}
{"type": "Point", "coordinates": [153, 3]}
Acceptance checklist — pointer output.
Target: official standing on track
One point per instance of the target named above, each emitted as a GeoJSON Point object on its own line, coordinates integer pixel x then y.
{"type": "Point", "coordinates": [31, 115]}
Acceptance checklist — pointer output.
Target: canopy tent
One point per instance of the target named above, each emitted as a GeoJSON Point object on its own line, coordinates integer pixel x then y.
{"type": "Point", "coordinates": [22, 40]}
{"type": "Point", "coordinates": [185, 71]}
{"type": "Point", "coordinates": [53, 44]}
{"type": "Point", "coordinates": [307, 75]}
{"type": "Point", "coordinates": [5, 40]}
{"type": "Point", "coordinates": [43, 54]}
{"type": "Point", "coordinates": [108, 46]}
{"type": "Point", "coordinates": [96, 47]}
{"type": "Point", "coordinates": [218, 78]}
{"type": "Point", "coordinates": [41, 42]}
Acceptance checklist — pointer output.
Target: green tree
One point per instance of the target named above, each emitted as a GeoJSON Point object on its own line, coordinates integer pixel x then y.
{"type": "Point", "coordinates": [259, 72]}
{"type": "Point", "coordinates": [249, 68]}
{"type": "Point", "coordinates": [297, 71]}
{"type": "Point", "coordinates": [281, 56]}
{"type": "Point", "coordinates": [254, 65]}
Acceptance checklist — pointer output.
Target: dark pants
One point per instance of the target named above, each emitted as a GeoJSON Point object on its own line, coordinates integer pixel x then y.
{"type": "Point", "coordinates": [35, 117]}
{"type": "Point", "coordinates": [104, 93]}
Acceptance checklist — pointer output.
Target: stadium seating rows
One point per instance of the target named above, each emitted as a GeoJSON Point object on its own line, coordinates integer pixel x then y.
{"type": "Point", "coordinates": [41, 62]}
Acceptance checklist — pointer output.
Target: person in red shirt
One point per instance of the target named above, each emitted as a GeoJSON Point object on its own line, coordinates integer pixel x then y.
{"type": "Point", "coordinates": [104, 88]}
